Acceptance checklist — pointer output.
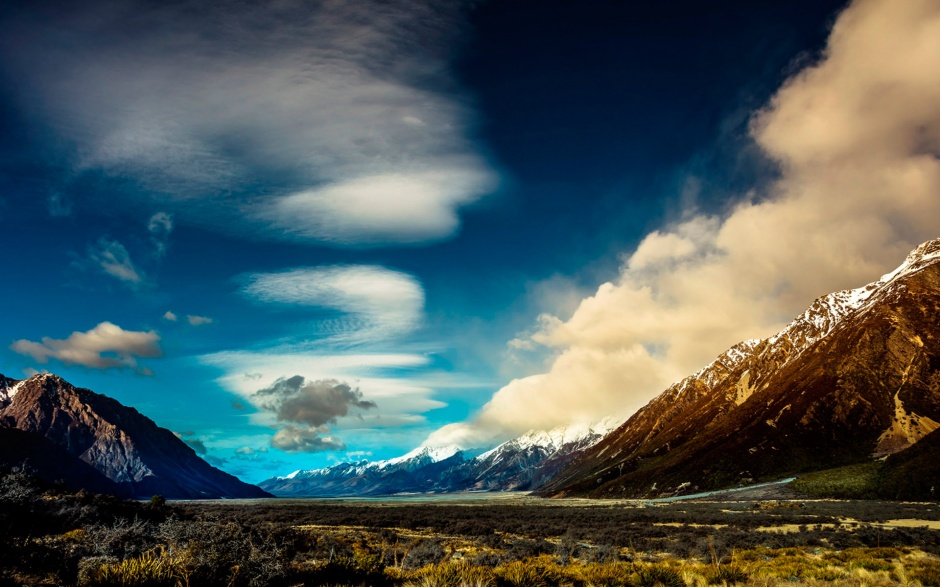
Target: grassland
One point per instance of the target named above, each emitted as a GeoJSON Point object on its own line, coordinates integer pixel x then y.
{"type": "Point", "coordinates": [53, 537]}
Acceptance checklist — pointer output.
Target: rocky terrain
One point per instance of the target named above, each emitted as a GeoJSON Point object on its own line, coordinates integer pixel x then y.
{"type": "Point", "coordinates": [101, 444]}
{"type": "Point", "coordinates": [854, 378]}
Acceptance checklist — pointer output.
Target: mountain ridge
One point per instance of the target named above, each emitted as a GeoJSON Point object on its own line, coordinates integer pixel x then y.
{"type": "Point", "coordinates": [125, 446]}
{"type": "Point", "coordinates": [834, 386]}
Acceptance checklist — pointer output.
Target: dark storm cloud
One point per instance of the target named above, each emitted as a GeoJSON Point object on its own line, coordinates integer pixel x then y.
{"type": "Point", "coordinates": [314, 403]}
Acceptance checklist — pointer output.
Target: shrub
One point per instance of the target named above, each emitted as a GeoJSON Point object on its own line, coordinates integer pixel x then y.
{"type": "Point", "coordinates": [146, 570]}
{"type": "Point", "coordinates": [658, 576]}
{"type": "Point", "coordinates": [726, 574]}
{"type": "Point", "coordinates": [457, 574]}
{"type": "Point", "coordinates": [520, 574]}
{"type": "Point", "coordinates": [425, 552]}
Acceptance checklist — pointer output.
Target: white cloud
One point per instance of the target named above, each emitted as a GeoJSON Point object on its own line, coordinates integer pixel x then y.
{"type": "Point", "coordinates": [348, 107]}
{"type": "Point", "coordinates": [198, 320]}
{"type": "Point", "coordinates": [170, 316]}
{"type": "Point", "coordinates": [106, 346]}
{"type": "Point", "coordinates": [111, 257]}
{"type": "Point", "coordinates": [377, 304]}
{"type": "Point", "coordinates": [857, 137]}
{"type": "Point", "coordinates": [160, 226]}
{"type": "Point", "coordinates": [395, 382]}
{"type": "Point", "coordinates": [303, 439]}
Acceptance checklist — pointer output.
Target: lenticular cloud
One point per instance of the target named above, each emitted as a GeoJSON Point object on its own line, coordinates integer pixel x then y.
{"type": "Point", "coordinates": [333, 122]}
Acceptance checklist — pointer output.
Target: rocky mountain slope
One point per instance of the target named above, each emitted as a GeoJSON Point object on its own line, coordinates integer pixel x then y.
{"type": "Point", "coordinates": [519, 464]}
{"type": "Point", "coordinates": [855, 377]}
{"type": "Point", "coordinates": [125, 447]}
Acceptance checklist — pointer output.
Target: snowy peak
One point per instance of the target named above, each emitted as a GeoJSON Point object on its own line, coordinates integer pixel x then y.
{"type": "Point", "coordinates": [556, 439]}
{"type": "Point", "coordinates": [8, 389]}
{"type": "Point", "coordinates": [851, 377]}
{"type": "Point", "coordinates": [421, 456]}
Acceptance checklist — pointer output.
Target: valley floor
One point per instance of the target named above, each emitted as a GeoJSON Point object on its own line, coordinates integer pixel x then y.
{"type": "Point", "coordinates": [53, 537]}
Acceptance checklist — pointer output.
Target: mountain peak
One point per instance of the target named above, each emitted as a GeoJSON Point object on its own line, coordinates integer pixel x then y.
{"type": "Point", "coordinates": [125, 446]}
{"type": "Point", "coordinates": [852, 377]}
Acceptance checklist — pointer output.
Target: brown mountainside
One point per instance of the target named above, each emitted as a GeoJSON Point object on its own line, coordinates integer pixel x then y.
{"type": "Point", "coordinates": [125, 446]}
{"type": "Point", "coordinates": [856, 376]}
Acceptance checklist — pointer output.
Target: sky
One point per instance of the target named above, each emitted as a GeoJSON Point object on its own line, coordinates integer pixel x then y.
{"type": "Point", "coordinates": [298, 233]}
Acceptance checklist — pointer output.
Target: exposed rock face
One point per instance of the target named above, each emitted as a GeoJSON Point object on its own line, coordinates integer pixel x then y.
{"type": "Point", "coordinates": [854, 377]}
{"type": "Point", "coordinates": [126, 447]}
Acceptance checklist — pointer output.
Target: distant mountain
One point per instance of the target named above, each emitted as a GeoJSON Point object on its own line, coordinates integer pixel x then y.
{"type": "Point", "coordinates": [516, 465]}
{"type": "Point", "coordinates": [46, 418]}
{"type": "Point", "coordinates": [855, 377]}
{"type": "Point", "coordinates": [419, 471]}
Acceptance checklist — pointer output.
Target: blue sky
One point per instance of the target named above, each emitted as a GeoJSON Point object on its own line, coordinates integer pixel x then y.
{"type": "Point", "coordinates": [298, 232]}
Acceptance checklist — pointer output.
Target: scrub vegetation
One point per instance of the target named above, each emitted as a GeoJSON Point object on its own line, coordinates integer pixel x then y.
{"type": "Point", "coordinates": [51, 536]}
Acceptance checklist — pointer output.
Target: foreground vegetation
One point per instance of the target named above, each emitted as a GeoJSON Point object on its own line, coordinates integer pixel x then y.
{"type": "Point", "coordinates": [49, 536]}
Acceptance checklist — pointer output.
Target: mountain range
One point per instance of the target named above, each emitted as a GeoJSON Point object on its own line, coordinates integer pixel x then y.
{"type": "Point", "coordinates": [519, 464]}
{"type": "Point", "coordinates": [88, 440]}
{"type": "Point", "coordinates": [855, 377]}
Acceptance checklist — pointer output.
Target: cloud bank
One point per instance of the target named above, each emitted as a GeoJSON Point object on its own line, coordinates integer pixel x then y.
{"type": "Point", "coordinates": [345, 112]}
{"type": "Point", "coordinates": [106, 346]}
{"type": "Point", "coordinates": [857, 140]}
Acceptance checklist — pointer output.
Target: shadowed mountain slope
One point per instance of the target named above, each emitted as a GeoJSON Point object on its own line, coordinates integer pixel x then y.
{"type": "Point", "coordinates": [121, 444]}
{"type": "Point", "coordinates": [855, 377]}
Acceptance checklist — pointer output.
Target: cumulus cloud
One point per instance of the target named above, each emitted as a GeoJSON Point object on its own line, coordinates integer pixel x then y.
{"type": "Point", "coordinates": [347, 112]}
{"type": "Point", "coordinates": [170, 316]}
{"type": "Point", "coordinates": [309, 406]}
{"type": "Point", "coordinates": [315, 402]}
{"type": "Point", "coordinates": [303, 439]}
{"type": "Point", "coordinates": [198, 320]}
{"type": "Point", "coordinates": [112, 257]}
{"type": "Point", "coordinates": [376, 303]}
{"type": "Point", "coordinates": [857, 140]}
{"type": "Point", "coordinates": [106, 346]}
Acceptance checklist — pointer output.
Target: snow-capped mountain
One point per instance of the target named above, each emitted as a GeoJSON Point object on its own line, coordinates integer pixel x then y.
{"type": "Point", "coordinates": [855, 376]}
{"type": "Point", "coordinates": [418, 471]}
{"type": "Point", "coordinates": [518, 464]}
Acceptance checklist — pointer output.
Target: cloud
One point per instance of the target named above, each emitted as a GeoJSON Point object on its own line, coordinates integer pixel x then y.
{"type": "Point", "coordinates": [376, 303]}
{"type": "Point", "coordinates": [111, 257]}
{"type": "Point", "coordinates": [302, 439]}
{"type": "Point", "coordinates": [106, 346]}
{"type": "Point", "coordinates": [397, 382]}
{"type": "Point", "coordinates": [309, 407]}
{"type": "Point", "coordinates": [59, 205]}
{"type": "Point", "coordinates": [345, 112]}
{"type": "Point", "coordinates": [198, 320]}
{"type": "Point", "coordinates": [170, 316]}
{"type": "Point", "coordinates": [857, 140]}
{"type": "Point", "coordinates": [160, 226]}
{"type": "Point", "coordinates": [197, 445]}
{"type": "Point", "coordinates": [315, 403]}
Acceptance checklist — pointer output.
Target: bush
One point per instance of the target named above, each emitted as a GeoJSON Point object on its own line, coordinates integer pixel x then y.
{"type": "Point", "coordinates": [146, 570]}
{"type": "Point", "coordinates": [457, 574]}
{"type": "Point", "coordinates": [425, 552]}
{"type": "Point", "coordinates": [658, 576]}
